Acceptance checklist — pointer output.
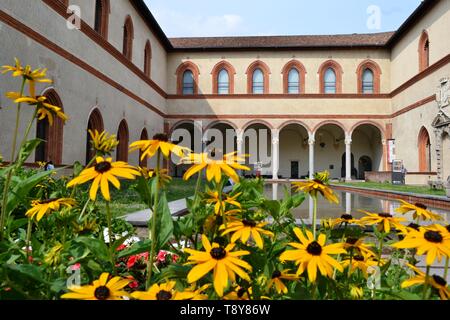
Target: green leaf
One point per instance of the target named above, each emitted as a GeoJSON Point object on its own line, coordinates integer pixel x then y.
{"type": "Point", "coordinates": [164, 222]}
{"type": "Point", "coordinates": [136, 248]}
{"type": "Point", "coordinates": [144, 189]}
{"type": "Point", "coordinates": [26, 150]}
{"type": "Point", "coordinates": [17, 223]}
{"type": "Point", "coordinates": [29, 270]}
{"type": "Point", "coordinates": [77, 168]}
{"type": "Point", "coordinates": [96, 246]}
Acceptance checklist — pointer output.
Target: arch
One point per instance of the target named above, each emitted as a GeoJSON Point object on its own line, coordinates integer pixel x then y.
{"type": "Point", "coordinates": [148, 59]}
{"type": "Point", "coordinates": [223, 65]}
{"type": "Point", "coordinates": [266, 73]}
{"type": "Point", "coordinates": [324, 123]}
{"type": "Point", "coordinates": [144, 136]}
{"type": "Point", "coordinates": [128, 36]}
{"type": "Point", "coordinates": [302, 124]}
{"type": "Point", "coordinates": [375, 68]}
{"type": "Point", "coordinates": [182, 68]}
{"type": "Point", "coordinates": [101, 23]}
{"type": "Point", "coordinates": [369, 122]}
{"type": "Point", "coordinates": [424, 144]}
{"type": "Point", "coordinates": [214, 123]}
{"type": "Point", "coordinates": [53, 135]}
{"type": "Point", "coordinates": [95, 122]}
{"type": "Point", "coordinates": [123, 138]}
{"type": "Point", "coordinates": [424, 51]}
{"type": "Point", "coordinates": [257, 121]}
{"type": "Point", "coordinates": [297, 65]}
{"type": "Point", "coordinates": [337, 70]}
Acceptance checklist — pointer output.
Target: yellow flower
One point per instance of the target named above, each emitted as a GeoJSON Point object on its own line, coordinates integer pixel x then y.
{"type": "Point", "coordinates": [436, 281]}
{"type": "Point", "coordinates": [160, 142]}
{"type": "Point", "coordinates": [358, 245]}
{"type": "Point", "coordinates": [197, 294]}
{"type": "Point", "coordinates": [356, 292]}
{"type": "Point", "coordinates": [53, 257]}
{"type": "Point", "coordinates": [214, 168]}
{"type": "Point", "coordinates": [239, 293]}
{"type": "Point", "coordinates": [345, 219]}
{"type": "Point", "coordinates": [434, 241]}
{"type": "Point", "coordinates": [385, 221]}
{"type": "Point", "coordinates": [277, 278]}
{"type": "Point", "coordinates": [317, 185]}
{"type": "Point", "coordinates": [224, 263]}
{"type": "Point", "coordinates": [217, 220]}
{"type": "Point", "coordinates": [44, 109]}
{"type": "Point", "coordinates": [243, 229]}
{"type": "Point", "coordinates": [220, 203]}
{"type": "Point", "coordinates": [312, 255]}
{"type": "Point", "coordinates": [420, 211]}
{"type": "Point", "coordinates": [101, 289]}
{"type": "Point", "coordinates": [164, 178]}
{"type": "Point", "coordinates": [41, 207]}
{"type": "Point", "coordinates": [164, 291]}
{"type": "Point", "coordinates": [104, 172]}
{"type": "Point", "coordinates": [103, 143]}
{"type": "Point", "coordinates": [360, 262]}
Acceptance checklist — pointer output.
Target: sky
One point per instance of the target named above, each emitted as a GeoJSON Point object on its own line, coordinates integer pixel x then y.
{"type": "Point", "coordinates": [206, 18]}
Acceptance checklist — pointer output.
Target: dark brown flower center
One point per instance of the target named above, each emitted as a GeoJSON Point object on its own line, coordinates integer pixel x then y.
{"type": "Point", "coordinates": [276, 274]}
{"type": "Point", "coordinates": [103, 167]}
{"type": "Point", "coordinates": [421, 206]}
{"type": "Point", "coordinates": [222, 241]}
{"type": "Point", "coordinates": [241, 292]}
{"type": "Point", "coordinates": [358, 258]}
{"type": "Point", "coordinates": [249, 223]}
{"type": "Point", "coordinates": [385, 215]}
{"type": "Point", "coordinates": [448, 228]}
{"type": "Point", "coordinates": [163, 295]}
{"type": "Point", "coordinates": [318, 181]}
{"type": "Point", "coordinates": [47, 201]}
{"type": "Point", "coordinates": [102, 293]}
{"type": "Point", "coordinates": [439, 280]}
{"type": "Point", "coordinates": [351, 240]}
{"type": "Point", "coordinates": [218, 253]}
{"type": "Point", "coordinates": [161, 137]}
{"type": "Point", "coordinates": [433, 236]}
{"type": "Point", "coordinates": [347, 217]}
{"type": "Point", "coordinates": [314, 248]}
{"type": "Point", "coordinates": [414, 226]}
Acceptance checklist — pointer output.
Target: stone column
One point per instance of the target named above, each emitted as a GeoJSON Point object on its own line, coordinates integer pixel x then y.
{"type": "Point", "coordinates": [385, 155]}
{"type": "Point", "coordinates": [240, 145]}
{"type": "Point", "coordinates": [311, 142]}
{"type": "Point", "coordinates": [348, 203]}
{"type": "Point", "coordinates": [275, 152]}
{"type": "Point", "coordinates": [348, 158]}
{"type": "Point", "coordinates": [274, 191]}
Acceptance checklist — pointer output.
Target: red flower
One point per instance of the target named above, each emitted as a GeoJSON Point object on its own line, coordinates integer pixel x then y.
{"type": "Point", "coordinates": [161, 256]}
{"type": "Point", "coordinates": [174, 258]}
{"type": "Point", "coordinates": [131, 261]}
{"type": "Point", "coordinates": [133, 284]}
{"type": "Point", "coordinates": [76, 266]}
{"type": "Point", "coordinates": [121, 247]}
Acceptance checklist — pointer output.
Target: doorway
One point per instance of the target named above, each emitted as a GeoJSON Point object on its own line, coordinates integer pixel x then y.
{"type": "Point", "coordinates": [364, 164]}
{"type": "Point", "coordinates": [294, 170]}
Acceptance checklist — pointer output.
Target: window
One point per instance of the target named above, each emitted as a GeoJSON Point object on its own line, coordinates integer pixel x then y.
{"type": "Point", "coordinates": [95, 122]}
{"type": "Point", "coordinates": [293, 81]}
{"type": "Point", "coordinates": [367, 81]}
{"type": "Point", "coordinates": [123, 138]}
{"type": "Point", "coordinates": [258, 82]}
{"type": "Point", "coordinates": [424, 51]}
{"type": "Point", "coordinates": [101, 17]}
{"type": "Point", "coordinates": [188, 83]}
{"type": "Point", "coordinates": [128, 35]}
{"type": "Point", "coordinates": [329, 83]}
{"type": "Point", "coordinates": [223, 82]}
{"type": "Point", "coordinates": [147, 59]}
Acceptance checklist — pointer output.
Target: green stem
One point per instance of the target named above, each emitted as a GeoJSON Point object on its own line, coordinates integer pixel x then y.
{"type": "Point", "coordinates": [314, 221]}
{"type": "Point", "coordinates": [84, 207]}
{"type": "Point", "coordinates": [27, 243]}
{"type": "Point", "coordinates": [339, 255]}
{"type": "Point", "coordinates": [446, 269]}
{"type": "Point", "coordinates": [425, 286]}
{"type": "Point", "coordinates": [27, 132]}
{"type": "Point", "coordinates": [110, 231]}
{"type": "Point", "coordinates": [152, 235]}
{"type": "Point", "coordinates": [350, 265]}
{"type": "Point", "coordinates": [196, 200]}
{"type": "Point", "coordinates": [380, 248]}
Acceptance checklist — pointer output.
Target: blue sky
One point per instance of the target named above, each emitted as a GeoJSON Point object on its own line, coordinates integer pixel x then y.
{"type": "Point", "coordinates": [184, 18]}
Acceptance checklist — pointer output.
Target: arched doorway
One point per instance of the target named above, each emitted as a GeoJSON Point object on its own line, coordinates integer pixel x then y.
{"type": "Point", "coordinates": [52, 147]}
{"type": "Point", "coordinates": [294, 152]}
{"type": "Point", "coordinates": [257, 142]}
{"type": "Point", "coordinates": [95, 123]}
{"type": "Point", "coordinates": [368, 148]}
{"type": "Point", "coordinates": [329, 145]}
{"type": "Point", "coordinates": [220, 137]}
{"type": "Point", "coordinates": [143, 163]}
{"type": "Point", "coordinates": [187, 134]}
{"type": "Point", "coordinates": [424, 145]}
{"type": "Point", "coordinates": [364, 165]}
{"type": "Point", "coordinates": [123, 138]}
{"type": "Point", "coordinates": [343, 167]}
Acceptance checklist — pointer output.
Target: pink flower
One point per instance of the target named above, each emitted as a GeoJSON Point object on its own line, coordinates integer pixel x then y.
{"type": "Point", "coordinates": [121, 247]}
{"type": "Point", "coordinates": [133, 284]}
{"type": "Point", "coordinates": [76, 266]}
{"type": "Point", "coordinates": [161, 256]}
{"type": "Point", "coordinates": [174, 258]}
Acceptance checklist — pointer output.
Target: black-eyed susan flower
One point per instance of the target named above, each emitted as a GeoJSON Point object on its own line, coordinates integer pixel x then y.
{"type": "Point", "coordinates": [102, 142]}
{"type": "Point", "coordinates": [53, 257]}
{"type": "Point", "coordinates": [101, 289]}
{"type": "Point", "coordinates": [419, 211]}
{"type": "Point", "coordinates": [358, 246]}
{"type": "Point", "coordinates": [345, 219]}
{"type": "Point", "coordinates": [102, 173]}
{"type": "Point", "coordinates": [434, 241]}
{"type": "Point", "coordinates": [41, 207]}
{"type": "Point", "coordinates": [215, 168]}
{"type": "Point", "coordinates": [220, 203]}
{"type": "Point", "coordinates": [318, 185]}
{"type": "Point", "coordinates": [361, 262]}
{"type": "Point", "coordinates": [244, 229]}
{"type": "Point", "coordinates": [239, 293]}
{"type": "Point", "coordinates": [164, 291]}
{"type": "Point", "coordinates": [148, 173]}
{"type": "Point", "coordinates": [356, 292]}
{"type": "Point", "coordinates": [197, 294]}
{"type": "Point", "coordinates": [437, 282]}
{"type": "Point", "coordinates": [384, 221]}
{"type": "Point", "coordinates": [311, 255]}
{"type": "Point", "coordinates": [222, 261]}
{"type": "Point", "coordinates": [160, 142]}
{"type": "Point", "coordinates": [277, 280]}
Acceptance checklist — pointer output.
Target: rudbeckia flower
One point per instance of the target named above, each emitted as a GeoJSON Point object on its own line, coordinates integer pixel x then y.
{"type": "Point", "coordinates": [239, 293]}
{"type": "Point", "coordinates": [420, 211]}
{"type": "Point", "coordinates": [312, 255]}
{"type": "Point", "coordinates": [243, 229]}
{"type": "Point", "coordinates": [356, 292]}
{"type": "Point", "coordinates": [164, 291]}
{"type": "Point", "coordinates": [102, 173]}
{"type": "Point", "coordinates": [436, 281]}
{"type": "Point", "coordinates": [359, 246]}
{"type": "Point", "coordinates": [161, 142]}
{"type": "Point", "coordinates": [197, 294]}
{"type": "Point", "coordinates": [360, 262]}
{"type": "Point", "coordinates": [385, 221]}
{"type": "Point", "coordinates": [214, 168]}
{"type": "Point", "coordinates": [434, 241]}
{"type": "Point", "coordinates": [277, 278]}
{"type": "Point", "coordinates": [103, 143]}
{"type": "Point", "coordinates": [101, 289]}
{"type": "Point", "coordinates": [41, 207]}
{"type": "Point", "coordinates": [345, 219]}
{"type": "Point", "coordinates": [219, 204]}
{"type": "Point", "coordinates": [317, 185]}
{"type": "Point", "coordinates": [224, 263]}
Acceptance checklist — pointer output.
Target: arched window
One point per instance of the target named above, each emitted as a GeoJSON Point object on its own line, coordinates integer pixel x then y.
{"type": "Point", "coordinates": [258, 78]}
{"type": "Point", "coordinates": [329, 81]}
{"type": "Point", "coordinates": [258, 82]}
{"type": "Point", "coordinates": [294, 77]}
{"type": "Point", "coordinates": [424, 151]}
{"type": "Point", "coordinates": [147, 59]}
{"type": "Point", "coordinates": [424, 51]}
{"type": "Point", "coordinates": [187, 78]}
{"type": "Point", "coordinates": [367, 81]}
{"type": "Point", "coordinates": [293, 81]}
{"type": "Point", "coordinates": [95, 123]}
{"type": "Point", "coordinates": [52, 147]}
{"type": "Point", "coordinates": [188, 82]}
{"type": "Point", "coordinates": [144, 136]}
{"type": "Point", "coordinates": [369, 74]}
{"type": "Point", "coordinates": [101, 17]}
{"type": "Point", "coordinates": [128, 36]}
{"type": "Point", "coordinates": [223, 82]}
{"type": "Point", "coordinates": [123, 138]}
